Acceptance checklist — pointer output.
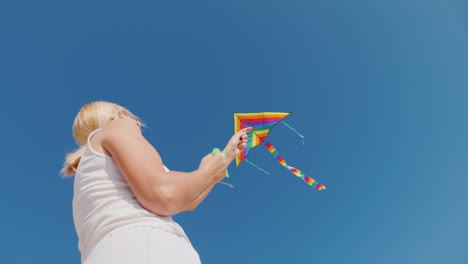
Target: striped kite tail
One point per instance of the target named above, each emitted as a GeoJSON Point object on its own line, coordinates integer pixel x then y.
{"type": "Point", "coordinates": [309, 180]}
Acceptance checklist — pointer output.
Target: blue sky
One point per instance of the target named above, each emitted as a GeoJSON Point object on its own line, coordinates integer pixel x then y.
{"type": "Point", "coordinates": [378, 88]}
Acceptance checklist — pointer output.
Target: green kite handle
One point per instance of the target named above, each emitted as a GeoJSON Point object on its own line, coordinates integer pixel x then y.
{"type": "Point", "coordinates": [216, 150]}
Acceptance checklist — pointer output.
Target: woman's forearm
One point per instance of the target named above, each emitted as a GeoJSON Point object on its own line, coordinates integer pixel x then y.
{"type": "Point", "coordinates": [198, 200]}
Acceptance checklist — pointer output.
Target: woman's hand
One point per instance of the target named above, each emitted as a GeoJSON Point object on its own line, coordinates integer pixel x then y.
{"type": "Point", "coordinates": [236, 144]}
{"type": "Point", "coordinates": [216, 164]}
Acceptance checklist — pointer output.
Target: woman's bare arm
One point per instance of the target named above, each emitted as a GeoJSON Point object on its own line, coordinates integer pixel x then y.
{"type": "Point", "coordinates": [163, 193]}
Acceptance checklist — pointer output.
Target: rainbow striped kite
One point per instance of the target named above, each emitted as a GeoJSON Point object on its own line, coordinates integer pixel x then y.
{"type": "Point", "coordinates": [262, 123]}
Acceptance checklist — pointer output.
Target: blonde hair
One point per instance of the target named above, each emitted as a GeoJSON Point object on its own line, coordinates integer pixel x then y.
{"type": "Point", "coordinates": [91, 117]}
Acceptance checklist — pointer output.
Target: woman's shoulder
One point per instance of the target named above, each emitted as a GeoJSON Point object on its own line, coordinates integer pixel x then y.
{"type": "Point", "coordinates": [115, 131]}
{"type": "Point", "coordinates": [119, 127]}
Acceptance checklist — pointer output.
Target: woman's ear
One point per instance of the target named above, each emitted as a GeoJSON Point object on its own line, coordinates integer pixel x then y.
{"type": "Point", "coordinates": [123, 113]}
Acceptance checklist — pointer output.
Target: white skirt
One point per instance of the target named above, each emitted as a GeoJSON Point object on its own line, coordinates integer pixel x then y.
{"type": "Point", "coordinates": [143, 245]}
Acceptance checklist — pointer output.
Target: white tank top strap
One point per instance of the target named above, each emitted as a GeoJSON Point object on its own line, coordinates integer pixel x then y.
{"type": "Point", "coordinates": [91, 134]}
{"type": "Point", "coordinates": [90, 147]}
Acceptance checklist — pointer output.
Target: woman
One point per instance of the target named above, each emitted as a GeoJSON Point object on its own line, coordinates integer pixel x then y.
{"type": "Point", "coordinates": [124, 196]}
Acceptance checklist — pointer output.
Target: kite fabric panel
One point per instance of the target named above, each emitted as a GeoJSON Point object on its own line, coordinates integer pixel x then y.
{"type": "Point", "coordinates": [262, 123]}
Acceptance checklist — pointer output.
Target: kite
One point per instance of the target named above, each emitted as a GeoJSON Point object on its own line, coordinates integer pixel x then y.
{"type": "Point", "coordinates": [262, 123]}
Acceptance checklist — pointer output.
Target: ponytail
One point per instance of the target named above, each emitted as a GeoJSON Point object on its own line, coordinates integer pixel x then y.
{"type": "Point", "coordinates": [71, 162]}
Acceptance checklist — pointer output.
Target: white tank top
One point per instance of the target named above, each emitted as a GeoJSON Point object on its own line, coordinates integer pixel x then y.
{"type": "Point", "coordinates": [103, 203]}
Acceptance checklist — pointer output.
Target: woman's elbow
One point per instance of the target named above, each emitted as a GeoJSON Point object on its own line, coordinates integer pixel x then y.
{"type": "Point", "coordinates": [162, 203]}
{"type": "Point", "coordinates": [164, 211]}
{"type": "Point", "coordinates": [158, 207]}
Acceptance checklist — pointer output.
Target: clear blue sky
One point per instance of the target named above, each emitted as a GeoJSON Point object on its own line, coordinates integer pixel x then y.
{"type": "Point", "coordinates": [378, 88]}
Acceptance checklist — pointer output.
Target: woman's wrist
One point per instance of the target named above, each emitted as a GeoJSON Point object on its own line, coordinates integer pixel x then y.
{"type": "Point", "coordinates": [229, 156]}
{"type": "Point", "coordinates": [208, 175]}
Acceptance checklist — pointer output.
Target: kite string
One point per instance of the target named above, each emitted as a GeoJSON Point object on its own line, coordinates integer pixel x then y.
{"type": "Point", "coordinates": [290, 127]}
{"type": "Point", "coordinates": [215, 150]}
{"type": "Point", "coordinates": [230, 185]}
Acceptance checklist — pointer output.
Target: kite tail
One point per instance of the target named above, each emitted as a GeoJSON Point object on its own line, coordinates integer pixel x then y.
{"type": "Point", "coordinates": [296, 172]}
{"type": "Point", "coordinates": [292, 128]}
